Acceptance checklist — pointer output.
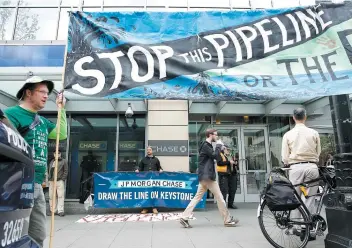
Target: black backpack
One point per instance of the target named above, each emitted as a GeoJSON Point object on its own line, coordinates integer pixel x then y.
{"type": "Point", "coordinates": [280, 193]}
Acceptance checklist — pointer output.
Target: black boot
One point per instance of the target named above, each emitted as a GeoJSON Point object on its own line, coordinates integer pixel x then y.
{"type": "Point", "coordinates": [232, 206]}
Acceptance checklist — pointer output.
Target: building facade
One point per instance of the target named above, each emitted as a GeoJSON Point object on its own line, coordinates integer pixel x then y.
{"type": "Point", "coordinates": [32, 39]}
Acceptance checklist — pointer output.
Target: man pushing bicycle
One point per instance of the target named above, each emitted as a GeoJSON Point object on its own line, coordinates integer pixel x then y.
{"type": "Point", "coordinates": [300, 151]}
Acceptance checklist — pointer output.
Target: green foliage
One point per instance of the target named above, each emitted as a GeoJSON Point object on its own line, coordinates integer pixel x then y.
{"type": "Point", "coordinates": [327, 142]}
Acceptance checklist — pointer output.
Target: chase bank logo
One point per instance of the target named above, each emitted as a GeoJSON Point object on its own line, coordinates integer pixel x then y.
{"type": "Point", "coordinates": [183, 149]}
{"type": "Point", "coordinates": [92, 145]}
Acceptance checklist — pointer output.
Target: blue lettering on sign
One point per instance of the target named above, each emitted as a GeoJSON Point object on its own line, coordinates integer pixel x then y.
{"type": "Point", "coordinates": [150, 183]}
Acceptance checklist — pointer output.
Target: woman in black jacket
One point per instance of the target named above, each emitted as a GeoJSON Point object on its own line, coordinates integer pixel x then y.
{"type": "Point", "coordinates": [227, 172]}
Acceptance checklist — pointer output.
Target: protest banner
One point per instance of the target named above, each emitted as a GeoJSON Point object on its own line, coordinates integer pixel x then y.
{"type": "Point", "coordinates": [145, 189]}
{"type": "Point", "coordinates": [216, 55]}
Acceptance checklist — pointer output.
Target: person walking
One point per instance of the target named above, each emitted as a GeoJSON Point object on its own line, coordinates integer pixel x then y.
{"type": "Point", "coordinates": [149, 163]}
{"type": "Point", "coordinates": [36, 130]}
{"type": "Point", "coordinates": [62, 172]}
{"type": "Point", "coordinates": [207, 180]}
{"type": "Point", "coordinates": [227, 172]}
{"type": "Point", "coordinates": [300, 151]}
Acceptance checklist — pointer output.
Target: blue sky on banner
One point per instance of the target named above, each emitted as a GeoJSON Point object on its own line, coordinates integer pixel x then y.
{"type": "Point", "coordinates": [155, 27]}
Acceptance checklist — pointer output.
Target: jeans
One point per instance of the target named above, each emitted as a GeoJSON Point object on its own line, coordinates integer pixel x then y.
{"type": "Point", "coordinates": [37, 219]}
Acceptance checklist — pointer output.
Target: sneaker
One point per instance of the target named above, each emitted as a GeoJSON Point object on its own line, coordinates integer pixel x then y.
{"type": "Point", "coordinates": [232, 222]}
{"type": "Point", "coordinates": [303, 234]}
{"type": "Point", "coordinates": [232, 206]}
{"type": "Point", "coordinates": [62, 214]}
{"type": "Point", "coordinates": [155, 211]}
{"type": "Point", "coordinates": [144, 211]}
{"type": "Point", "coordinates": [185, 223]}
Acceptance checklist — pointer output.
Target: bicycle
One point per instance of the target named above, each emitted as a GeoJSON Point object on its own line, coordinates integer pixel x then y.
{"type": "Point", "coordinates": [312, 225]}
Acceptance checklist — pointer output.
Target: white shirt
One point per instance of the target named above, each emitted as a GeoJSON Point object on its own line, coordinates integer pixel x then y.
{"type": "Point", "coordinates": [301, 144]}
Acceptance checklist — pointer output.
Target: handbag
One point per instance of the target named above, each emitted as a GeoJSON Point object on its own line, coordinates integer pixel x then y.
{"type": "Point", "coordinates": [222, 169]}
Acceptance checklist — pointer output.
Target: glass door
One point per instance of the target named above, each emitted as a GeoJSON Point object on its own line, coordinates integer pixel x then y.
{"type": "Point", "coordinates": [254, 161]}
{"type": "Point", "coordinates": [249, 146]}
{"type": "Point", "coordinates": [232, 137]}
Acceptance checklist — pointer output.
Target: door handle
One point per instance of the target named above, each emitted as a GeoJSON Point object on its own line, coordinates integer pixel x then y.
{"type": "Point", "coordinates": [246, 162]}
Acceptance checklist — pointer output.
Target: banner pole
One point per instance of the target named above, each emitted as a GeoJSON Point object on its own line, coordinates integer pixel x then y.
{"type": "Point", "coordinates": [58, 128]}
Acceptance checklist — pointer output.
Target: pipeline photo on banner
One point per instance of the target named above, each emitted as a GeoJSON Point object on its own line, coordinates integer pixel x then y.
{"type": "Point", "coordinates": [145, 189]}
{"type": "Point", "coordinates": [234, 55]}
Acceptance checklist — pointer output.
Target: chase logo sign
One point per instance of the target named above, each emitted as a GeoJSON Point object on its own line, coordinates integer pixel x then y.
{"type": "Point", "coordinates": [92, 145]}
{"type": "Point", "coordinates": [169, 147]}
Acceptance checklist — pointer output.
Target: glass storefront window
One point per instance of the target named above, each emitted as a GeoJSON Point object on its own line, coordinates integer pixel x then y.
{"type": "Point", "coordinates": [70, 2]}
{"type": "Point", "coordinates": [36, 24]}
{"type": "Point", "coordinates": [193, 147]}
{"type": "Point", "coordinates": [89, 9]}
{"type": "Point", "coordinates": [261, 3]}
{"type": "Point", "coordinates": [177, 3]}
{"type": "Point", "coordinates": [63, 24]}
{"type": "Point", "coordinates": [196, 132]}
{"type": "Point", "coordinates": [285, 4]}
{"type": "Point", "coordinates": [8, 2]}
{"type": "Point", "coordinates": [109, 9]}
{"type": "Point", "coordinates": [124, 3]}
{"type": "Point", "coordinates": [95, 136]}
{"type": "Point", "coordinates": [256, 160]}
{"type": "Point", "coordinates": [157, 2]}
{"type": "Point", "coordinates": [38, 2]}
{"type": "Point", "coordinates": [7, 19]}
{"type": "Point", "coordinates": [278, 126]}
{"type": "Point", "coordinates": [131, 142]}
{"type": "Point", "coordinates": [92, 2]}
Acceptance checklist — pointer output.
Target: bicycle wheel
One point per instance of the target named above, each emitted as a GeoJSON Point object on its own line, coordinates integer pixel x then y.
{"type": "Point", "coordinates": [282, 221]}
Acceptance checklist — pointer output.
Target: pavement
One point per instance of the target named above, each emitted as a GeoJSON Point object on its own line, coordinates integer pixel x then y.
{"type": "Point", "coordinates": [208, 231]}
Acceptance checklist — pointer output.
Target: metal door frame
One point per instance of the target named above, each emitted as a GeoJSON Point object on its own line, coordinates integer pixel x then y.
{"type": "Point", "coordinates": [244, 196]}
{"type": "Point", "coordinates": [253, 197]}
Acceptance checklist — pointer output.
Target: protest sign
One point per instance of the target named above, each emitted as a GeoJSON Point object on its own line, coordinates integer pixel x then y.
{"type": "Point", "coordinates": [218, 55]}
{"type": "Point", "coordinates": [145, 189]}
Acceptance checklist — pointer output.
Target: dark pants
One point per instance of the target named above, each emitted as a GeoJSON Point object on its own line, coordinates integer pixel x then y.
{"type": "Point", "coordinates": [86, 185]}
{"type": "Point", "coordinates": [228, 186]}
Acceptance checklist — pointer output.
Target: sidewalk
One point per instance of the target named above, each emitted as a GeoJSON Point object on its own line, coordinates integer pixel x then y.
{"type": "Point", "coordinates": [207, 231]}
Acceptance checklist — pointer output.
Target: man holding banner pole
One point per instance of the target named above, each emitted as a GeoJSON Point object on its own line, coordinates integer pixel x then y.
{"type": "Point", "coordinates": [36, 130]}
{"type": "Point", "coordinates": [207, 180]}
